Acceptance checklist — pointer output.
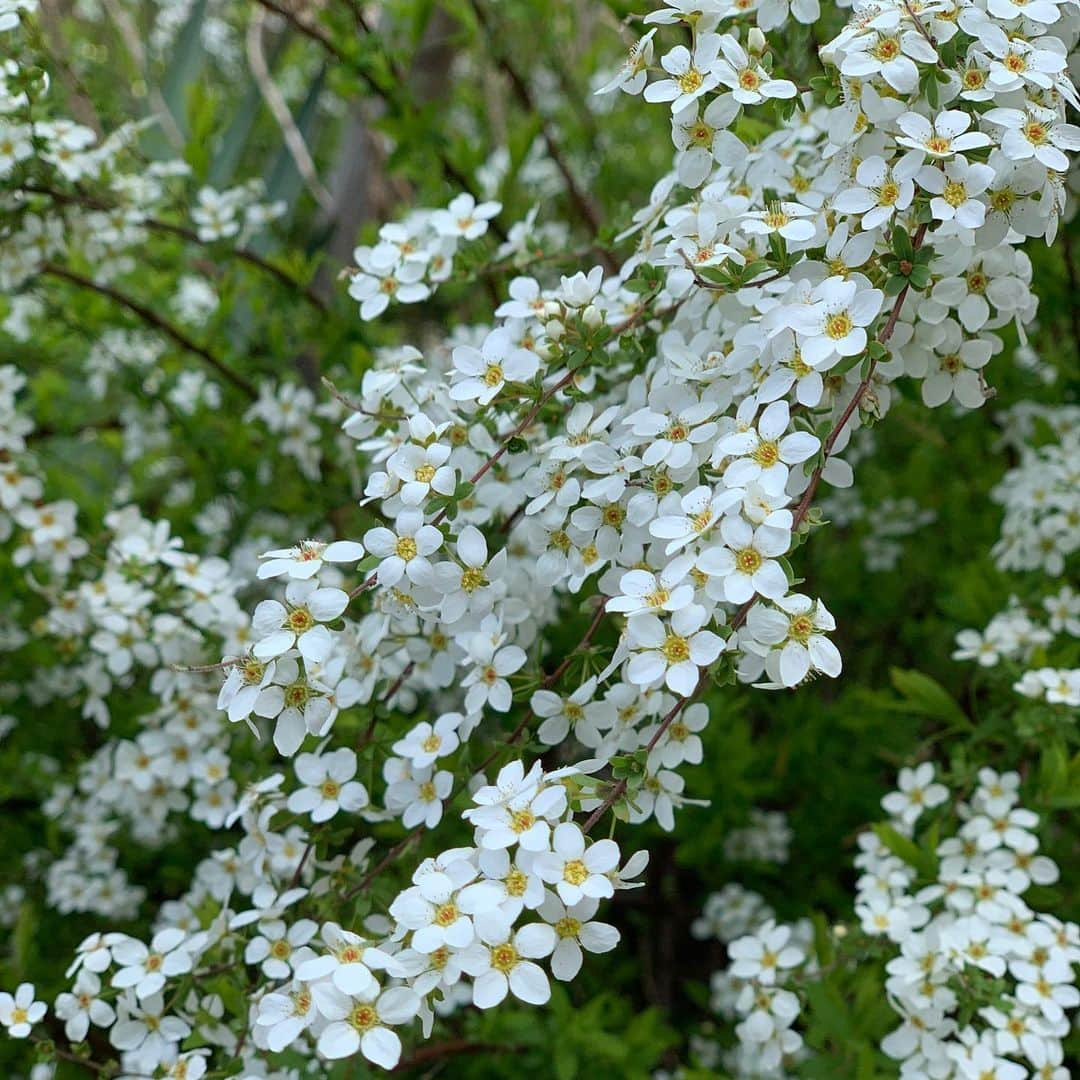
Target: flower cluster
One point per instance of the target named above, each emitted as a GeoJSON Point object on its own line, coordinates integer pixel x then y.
{"type": "Point", "coordinates": [1041, 494]}
{"type": "Point", "coordinates": [635, 447]}
{"type": "Point", "coordinates": [966, 942]}
{"type": "Point", "coordinates": [414, 256]}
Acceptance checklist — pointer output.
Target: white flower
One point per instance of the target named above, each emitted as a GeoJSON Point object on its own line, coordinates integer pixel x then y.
{"type": "Point", "coordinates": [794, 632]}
{"type": "Point", "coordinates": [306, 559]}
{"type": "Point", "coordinates": [947, 135]}
{"type": "Point", "coordinates": [834, 324]}
{"type": "Point", "coordinates": [1035, 133]}
{"type": "Point", "coordinates": [956, 189]}
{"type": "Point", "coordinates": [143, 1028]}
{"type": "Point", "coordinates": [405, 550]}
{"type": "Point", "coordinates": [362, 1023]}
{"type": "Point", "coordinates": [439, 908]}
{"type": "Point", "coordinates": [383, 278]}
{"type": "Point", "coordinates": [464, 218]}
{"type": "Point", "coordinates": [145, 968]}
{"type": "Point", "coordinates": [83, 1007]}
{"type": "Point", "coordinates": [482, 373]}
{"type": "Point", "coordinates": [764, 453]}
{"type": "Point", "coordinates": [19, 1013]}
{"type": "Point", "coordinates": [486, 682]}
{"type": "Point", "coordinates": [764, 954]}
{"type": "Point", "coordinates": [298, 622]}
{"type": "Point", "coordinates": [501, 962]}
{"type": "Point", "coordinates": [348, 963]}
{"type": "Point", "coordinates": [918, 792]}
{"type": "Point", "coordinates": [560, 714]}
{"type": "Point", "coordinates": [575, 870]}
{"type": "Point", "coordinates": [691, 74]}
{"type": "Point", "coordinates": [890, 54]}
{"type": "Point", "coordinates": [750, 83]}
{"type": "Point", "coordinates": [749, 565]}
{"type": "Point", "coordinates": [276, 947]}
{"type": "Point", "coordinates": [426, 743]}
{"type": "Point", "coordinates": [673, 654]}
{"type": "Point", "coordinates": [328, 785]}
{"type": "Point", "coordinates": [421, 470]}
{"type": "Point", "coordinates": [790, 220]}
{"type": "Point", "coordinates": [633, 74]}
{"type": "Point", "coordinates": [575, 931]}
{"type": "Point", "coordinates": [881, 190]}
{"type": "Point", "coordinates": [286, 1013]}
{"type": "Point", "coordinates": [701, 509]}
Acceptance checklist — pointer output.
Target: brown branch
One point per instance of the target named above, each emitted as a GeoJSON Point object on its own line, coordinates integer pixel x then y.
{"type": "Point", "coordinates": [619, 789]}
{"type": "Point", "coordinates": [152, 318]}
{"type": "Point", "coordinates": [427, 1054]}
{"type": "Point", "coordinates": [157, 224]}
{"type": "Point", "coordinates": [398, 107]}
{"type": "Point", "coordinates": [584, 206]}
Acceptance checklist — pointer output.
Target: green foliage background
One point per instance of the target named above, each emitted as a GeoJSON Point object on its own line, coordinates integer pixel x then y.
{"type": "Point", "coordinates": [824, 755]}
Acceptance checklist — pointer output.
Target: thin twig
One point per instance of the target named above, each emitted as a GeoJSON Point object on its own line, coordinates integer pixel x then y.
{"type": "Point", "coordinates": [584, 206]}
{"type": "Point", "coordinates": [158, 225]}
{"type": "Point", "coordinates": [152, 318]}
{"type": "Point", "coordinates": [275, 102]}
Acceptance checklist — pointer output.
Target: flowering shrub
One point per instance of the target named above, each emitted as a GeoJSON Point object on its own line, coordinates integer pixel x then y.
{"type": "Point", "coordinates": [399, 614]}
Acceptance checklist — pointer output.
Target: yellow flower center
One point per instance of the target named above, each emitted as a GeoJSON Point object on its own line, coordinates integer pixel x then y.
{"type": "Point", "coordinates": [955, 193]}
{"type": "Point", "coordinates": [504, 957]}
{"type": "Point", "coordinates": [472, 579]}
{"type": "Point", "coordinates": [886, 49]}
{"type": "Point", "coordinates": [1035, 132]}
{"type": "Point", "coordinates": [675, 649]}
{"type": "Point", "coordinates": [329, 789]}
{"type": "Point", "coordinates": [446, 914]}
{"type": "Point", "coordinates": [516, 882]}
{"type": "Point", "coordinates": [568, 927]}
{"type": "Point", "coordinates": [748, 560]}
{"type": "Point", "coordinates": [425, 474]}
{"type": "Point", "coordinates": [838, 325]}
{"type": "Point", "coordinates": [691, 81]}
{"type": "Point", "coordinates": [888, 193]}
{"type": "Point", "coordinates": [299, 620]}
{"type": "Point", "coordinates": [767, 454]}
{"type": "Point", "coordinates": [575, 872]}
{"type": "Point", "coordinates": [363, 1018]}
{"type": "Point", "coordinates": [701, 521]}
{"type": "Point", "coordinates": [521, 821]}
{"type": "Point", "coordinates": [494, 375]}
{"type": "Point", "coordinates": [405, 548]}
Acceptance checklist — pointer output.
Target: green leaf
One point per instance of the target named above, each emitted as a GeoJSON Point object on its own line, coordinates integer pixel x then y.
{"type": "Point", "coordinates": [185, 62]}
{"type": "Point", "coordinates": [925, 696]}
{"type": "Point", "coordinates": [903, 848]}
